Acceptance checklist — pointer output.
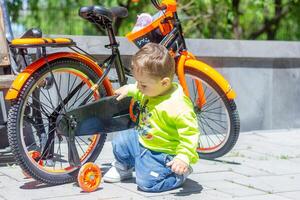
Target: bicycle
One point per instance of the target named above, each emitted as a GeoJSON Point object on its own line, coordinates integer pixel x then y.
{"type": "Point", "coordinates": [63, 104]}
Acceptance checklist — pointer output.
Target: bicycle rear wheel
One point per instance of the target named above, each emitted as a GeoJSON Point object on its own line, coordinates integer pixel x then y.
{"type": "Point", "coordinates": [217, 115]}
{"type": "Point", "coordinates": [49, 92]}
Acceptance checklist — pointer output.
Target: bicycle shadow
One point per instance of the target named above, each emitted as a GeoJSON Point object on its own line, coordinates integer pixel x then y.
{"type": "Point", "coordinates": [32, 185]}
{"type": "Point", "coordinates": [222, 161]}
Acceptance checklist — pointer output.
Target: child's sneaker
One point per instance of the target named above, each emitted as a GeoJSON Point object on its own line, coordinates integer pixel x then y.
{"type": "Point", "coordinates": [117, 173]}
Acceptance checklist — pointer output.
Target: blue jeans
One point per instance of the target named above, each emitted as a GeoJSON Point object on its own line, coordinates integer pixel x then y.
{"type": "Point", "coordinates": [152, 174]}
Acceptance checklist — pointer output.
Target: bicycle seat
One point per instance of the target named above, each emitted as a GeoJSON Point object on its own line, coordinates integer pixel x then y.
{"type": "Point", "coordinates": [96, 13]}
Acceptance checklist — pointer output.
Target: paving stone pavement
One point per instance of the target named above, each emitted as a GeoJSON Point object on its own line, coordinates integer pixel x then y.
{"type": "Point", "coordinates": [264, 165]}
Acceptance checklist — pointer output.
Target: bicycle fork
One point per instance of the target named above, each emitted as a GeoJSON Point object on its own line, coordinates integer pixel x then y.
{"type": "Point", "coordinates": [201, 99]}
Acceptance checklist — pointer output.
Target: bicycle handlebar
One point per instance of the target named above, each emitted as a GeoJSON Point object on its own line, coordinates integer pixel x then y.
{"type": "Point", "coordinates": [168, 5]}
{"type": "Point", "coordinates": [158, 6]}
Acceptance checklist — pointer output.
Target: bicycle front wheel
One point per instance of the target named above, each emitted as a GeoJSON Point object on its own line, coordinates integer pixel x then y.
{"type": "Point", "coordinates": [217, 115]}
{"type": "Point", "coordinates": [38, 148]}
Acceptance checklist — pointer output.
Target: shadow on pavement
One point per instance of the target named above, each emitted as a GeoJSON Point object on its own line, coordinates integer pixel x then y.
{"type": "Point", "coordinates": [222, 161]}
{"type": "Point", "coordinates": [189, 187]}
{"type": "Point", "coordinates": [35, 185]}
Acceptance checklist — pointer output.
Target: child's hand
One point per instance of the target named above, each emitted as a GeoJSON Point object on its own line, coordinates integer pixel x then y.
{"type": "Point", "coordinates": [178, 166]}
{"type": "Point", "coordinates": [122, 92]}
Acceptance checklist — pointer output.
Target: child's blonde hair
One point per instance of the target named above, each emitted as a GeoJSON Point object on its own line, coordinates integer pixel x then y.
{"type": "Point", "coordinates": [155, 60]}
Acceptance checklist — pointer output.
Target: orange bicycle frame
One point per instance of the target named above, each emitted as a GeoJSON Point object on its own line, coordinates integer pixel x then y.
{"type": "Point", "coordinates": [187, 59]}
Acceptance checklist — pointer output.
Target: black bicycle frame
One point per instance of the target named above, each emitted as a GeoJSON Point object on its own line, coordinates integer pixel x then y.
{"type": "Point", "coordinates": [179, 27]}
{"type": "Point", "coordinates": [102, 116]}
{"type": "Point", "coordinates": [174, 41]}
{"type": "Point", "coordinates": [106, 114]}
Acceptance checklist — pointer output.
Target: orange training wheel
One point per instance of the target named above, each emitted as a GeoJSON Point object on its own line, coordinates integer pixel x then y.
{"type": "Point", "coordinates": [89, 177]}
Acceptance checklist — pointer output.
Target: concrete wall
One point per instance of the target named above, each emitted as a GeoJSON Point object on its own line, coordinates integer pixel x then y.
{"type": "Point", "coordinates": [264, 74]}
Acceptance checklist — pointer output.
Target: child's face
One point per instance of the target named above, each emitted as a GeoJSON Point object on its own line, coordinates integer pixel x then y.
{"type": "Point", "coordinates": [151, 86]}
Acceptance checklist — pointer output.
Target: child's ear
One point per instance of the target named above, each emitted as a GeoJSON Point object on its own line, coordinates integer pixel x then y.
{"type": "Point", "coordinates": [166, 81]}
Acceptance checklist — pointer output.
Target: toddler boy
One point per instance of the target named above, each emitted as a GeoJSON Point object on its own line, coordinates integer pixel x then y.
{"type": "Point", "coordinates": [163, 144]}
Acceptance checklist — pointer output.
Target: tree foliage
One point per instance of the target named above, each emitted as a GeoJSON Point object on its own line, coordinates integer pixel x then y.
{"type": "Point", "coordinates": [224, 19]}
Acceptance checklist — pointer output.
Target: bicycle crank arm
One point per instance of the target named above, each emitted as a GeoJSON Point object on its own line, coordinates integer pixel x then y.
{"type": "Point", "coordinates": [102, 116]}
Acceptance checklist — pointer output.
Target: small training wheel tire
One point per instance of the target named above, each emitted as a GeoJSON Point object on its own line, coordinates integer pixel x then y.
{"type": "Point", "coordinates": [89, 177]}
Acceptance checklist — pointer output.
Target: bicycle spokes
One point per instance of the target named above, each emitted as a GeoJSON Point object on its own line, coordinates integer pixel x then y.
{"type": "Point", "coordinates": [51, 96]}
{"type": "Point", "coordinates": [201, 100]}
{"type": "Point", "coordinates": [211, 112]}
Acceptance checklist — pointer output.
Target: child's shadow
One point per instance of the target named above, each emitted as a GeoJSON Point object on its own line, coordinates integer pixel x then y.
{"type": "Point", "coordinates": [188, 188]}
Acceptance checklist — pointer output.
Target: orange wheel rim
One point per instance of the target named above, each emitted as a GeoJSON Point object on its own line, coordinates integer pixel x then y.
{"type": "Point", "coordinates": [92, 144]}
{"type": "Point", "coordinates": [89, 177]}
{"type": "Point", "coordinates": [209, 148]}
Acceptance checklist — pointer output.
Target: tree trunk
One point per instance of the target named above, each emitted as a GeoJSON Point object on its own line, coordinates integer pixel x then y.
{"type": "Point", "coordinates": [236, 19]}
{"type": "Point", "coordinates": [271, 26]}
{"type": "Point", "coordinates": [271, 34]}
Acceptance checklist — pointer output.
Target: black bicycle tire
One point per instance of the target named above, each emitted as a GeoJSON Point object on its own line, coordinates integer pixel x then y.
{"type": "Point", "coordinates": [232, 111]}
{"type": "Point", "coordinates": [13, 127]}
